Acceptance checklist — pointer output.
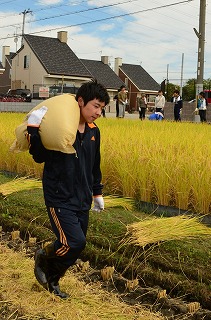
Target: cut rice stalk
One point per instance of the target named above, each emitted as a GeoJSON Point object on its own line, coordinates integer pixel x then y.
{"type": "Point", "coordinates": [19, 184]}
{"type": "Point", "coordinates": [115, 201]}
{"type": "Point", "coordinates": [155, 230]}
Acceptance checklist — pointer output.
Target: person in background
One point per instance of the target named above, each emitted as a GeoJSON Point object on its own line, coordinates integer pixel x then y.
{"type": "Point", "coordinates": [70, 183]}
{"type": "Point", "coordinates": [160, 102]}
{"type": "Point", "coordinates": [117, 104]}
{"type": "Point", "coordinates": [178, 104]}
{"type": "Point", "coordinates": [104, 112]}
{"type": "Point", "coordinates": [142, 106]}
{"type": "Point", "coordinates": [122, 100]}
{"type": "Point", "coordinates": [202, 106]}
{"type": "Point", "coordinates": [156, 116]}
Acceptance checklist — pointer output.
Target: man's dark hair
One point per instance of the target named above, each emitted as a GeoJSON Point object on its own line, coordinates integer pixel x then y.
{"type": "Point", "coordinates": [93, 90]}
{"type": "Point", "coordinates": [202, 94]}
{"type": "Point", "coordinates": [122, 87]}
{"type": "Point", "coordinates": [176, 91]}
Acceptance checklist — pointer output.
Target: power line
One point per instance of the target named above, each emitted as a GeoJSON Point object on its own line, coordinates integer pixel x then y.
{"type": "Point", "coordinates": [75, 12]}
{"type": "Point", "coordinates": [105, 19]}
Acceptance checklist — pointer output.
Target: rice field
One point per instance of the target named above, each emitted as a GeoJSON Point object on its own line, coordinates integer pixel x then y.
{"type": "Point", "coordinates": [166, 163]}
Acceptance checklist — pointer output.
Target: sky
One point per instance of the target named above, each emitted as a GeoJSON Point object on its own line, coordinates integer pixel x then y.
{"type": "Point", "coordinates": [158, 35]}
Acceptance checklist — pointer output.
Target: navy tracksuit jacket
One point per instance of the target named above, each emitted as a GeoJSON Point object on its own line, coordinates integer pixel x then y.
{"type": "Point", "coordinates": [69, 183]}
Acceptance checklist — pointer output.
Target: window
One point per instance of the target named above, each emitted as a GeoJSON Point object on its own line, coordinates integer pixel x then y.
{"type": "Point", "coordinates": [26, 62]}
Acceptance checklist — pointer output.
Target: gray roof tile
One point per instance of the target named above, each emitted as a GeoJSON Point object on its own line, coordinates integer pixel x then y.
{"type": "Point", "coordinates": [103, 73]}
{"type": "Point", "coordinates": [56, 57]}
{"type": "Point", "coordinates": [139, 77]}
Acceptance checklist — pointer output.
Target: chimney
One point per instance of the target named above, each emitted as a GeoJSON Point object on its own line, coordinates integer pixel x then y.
{"type": "Point", "coordinates": [5, 52]}
{"type": "Point", "coordinates": [62, 36]}
{"type": "Point", "coordinates": [104, 59]}
{"type": "Point", "coordinates": [118, 63]}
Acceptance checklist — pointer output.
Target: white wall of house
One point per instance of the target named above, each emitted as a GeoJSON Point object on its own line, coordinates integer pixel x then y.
{"type": "Point", "coordinates": [22, 69]}
{"type": "Point", "coordinates": [27, 70]}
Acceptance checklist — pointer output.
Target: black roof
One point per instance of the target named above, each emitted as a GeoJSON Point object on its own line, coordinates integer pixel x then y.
{"type": "Point", "coordinates": [139, 77]}
{"type": "Point", "coordinates": [1, 66]}
{"type": "Point", "coordinates": [56, 56]}
{"type": "Point", "coordinates": [103, 73]}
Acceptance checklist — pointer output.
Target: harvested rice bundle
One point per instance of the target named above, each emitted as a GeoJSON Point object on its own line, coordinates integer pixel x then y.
{"type": "Point", "coordinates": [19, 184]}
{"type": "Point", "coordinates": [165, 229]}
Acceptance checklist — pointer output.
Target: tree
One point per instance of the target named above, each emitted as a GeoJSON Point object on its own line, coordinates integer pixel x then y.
{"type": "Point", "coordinates": [189, 90]}
{"type": "Point", "coordinates": [170, 87]}
{"type": "Point", "coordinates": [207, 84]}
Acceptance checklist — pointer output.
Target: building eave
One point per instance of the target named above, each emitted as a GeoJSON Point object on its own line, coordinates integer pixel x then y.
{"type": "Point", "coordinates": [65, 77]}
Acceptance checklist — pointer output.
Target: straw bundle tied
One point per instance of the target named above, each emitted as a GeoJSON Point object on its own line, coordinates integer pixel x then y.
{"type": "Point", "coordinates": [19, 184]}
{"type": "Point", "coordinates": [165, 229]}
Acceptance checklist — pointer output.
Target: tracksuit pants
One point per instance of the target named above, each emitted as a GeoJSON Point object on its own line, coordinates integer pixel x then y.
{"type": "Point", "coordinates": [202, 114]}
{"type": "Point", "coordinates": [177, 113]}
{"type": "Point", "coordinates": [70, 228]}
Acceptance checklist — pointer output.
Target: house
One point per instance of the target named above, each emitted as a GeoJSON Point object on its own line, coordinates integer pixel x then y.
{"type": "Point", "coordinates": [138, 81]}
{"type": "Point", "coordinates": [45, 61]}
{"type": "Point", "coordinates": [5, 68]}
{"type": "Point", "coordinates": [1, 69]}
{"type": "Point", "coordinates": [103, 72]}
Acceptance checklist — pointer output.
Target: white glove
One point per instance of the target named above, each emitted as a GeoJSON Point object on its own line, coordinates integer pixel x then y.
{"type": "Point", "coordinates": [98, 204]}
{"type": "Point", "coordinates": [36, 116]}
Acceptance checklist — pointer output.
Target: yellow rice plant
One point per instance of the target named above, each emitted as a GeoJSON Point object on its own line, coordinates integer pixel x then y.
{"type": "Point", "coordinates": [165, 162]}
{"type": "Point", "coordinates": [162, 162]}
{"type": "Point", "coordinates": [22, 162]}
{"type": "Point", "coordinates": [19, 184]}
{"type": "Point", "coordinates": [156, 230]}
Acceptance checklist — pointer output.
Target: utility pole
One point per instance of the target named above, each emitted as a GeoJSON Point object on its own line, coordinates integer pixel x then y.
{"type": "Point", "coordinates": [23, 26]}
{"type": "Point", "coordinates": [181, 79]}
{"type": "Point", "coordinates": [167, 82]}
{"type": "Point", "coordinates": [201, 42]}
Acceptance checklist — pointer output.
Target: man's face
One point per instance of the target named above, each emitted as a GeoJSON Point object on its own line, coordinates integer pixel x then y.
{"type": "Point", "coordinates": [91, 111]}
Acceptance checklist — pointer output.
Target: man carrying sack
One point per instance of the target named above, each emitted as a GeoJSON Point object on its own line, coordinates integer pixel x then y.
{"type": "Point", "coordinates": [70, 182]}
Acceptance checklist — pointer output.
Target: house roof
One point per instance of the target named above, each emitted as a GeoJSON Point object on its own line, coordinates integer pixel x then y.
{"type": "Point", "coordinates": [56, 56]}
{"type": "Point", "coordinates": [139, 77]}
{"type": "Point", "coordinates": [1, 66]}
{"type": "Point", "coordinates": [103, 73]}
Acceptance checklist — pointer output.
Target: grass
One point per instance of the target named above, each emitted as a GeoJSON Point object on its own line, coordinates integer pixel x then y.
{"type": "Point", "coordinates": [182, 267]}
